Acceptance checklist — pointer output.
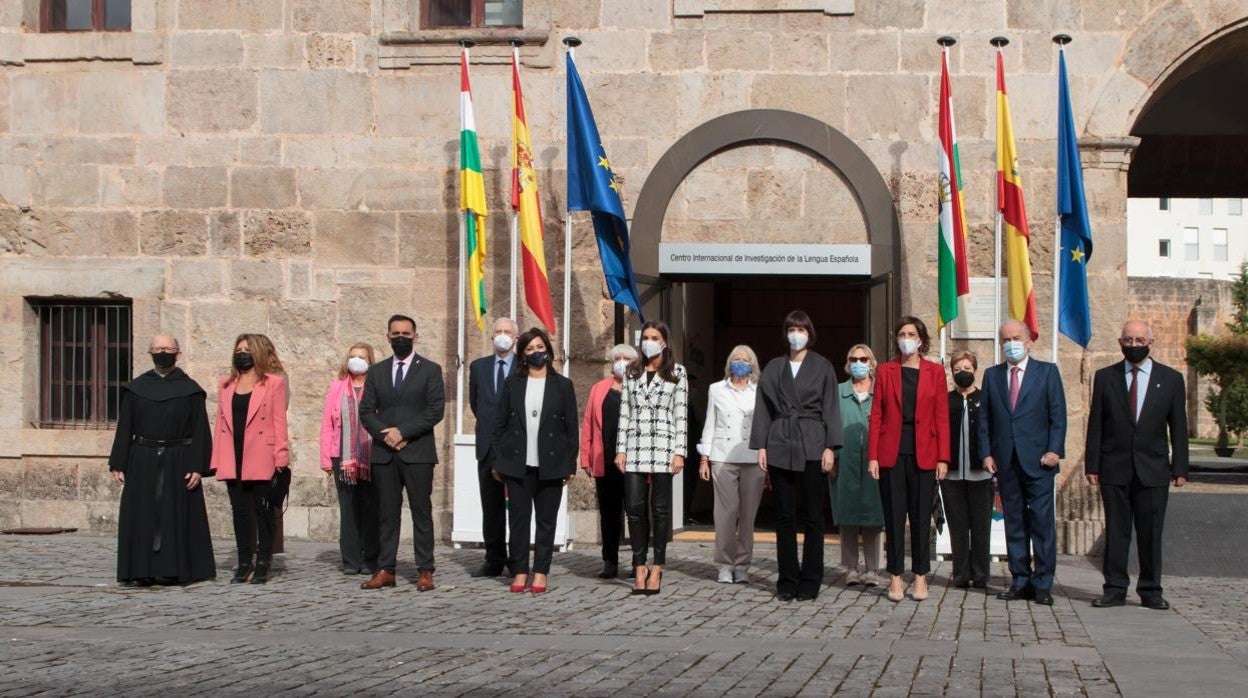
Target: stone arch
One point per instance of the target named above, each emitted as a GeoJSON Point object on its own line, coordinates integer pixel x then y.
{"type": "Point", "coordinates": [1156, 54]}
{"type": "Point", "coordinates": [764, 126]}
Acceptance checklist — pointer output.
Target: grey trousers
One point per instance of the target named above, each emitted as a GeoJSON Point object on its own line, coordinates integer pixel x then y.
{"type": "Point", "coordinates": [738, 491]}
{"type": "Point", "coordinates": [872, 547]}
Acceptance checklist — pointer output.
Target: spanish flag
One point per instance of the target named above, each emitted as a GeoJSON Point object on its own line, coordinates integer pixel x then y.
{"type": "Point", "coordinates": [527, 205]}
{"type": "Point", "coordinates": [471, 194]}
{"type": "Point", "coordinates": [1013, 214]}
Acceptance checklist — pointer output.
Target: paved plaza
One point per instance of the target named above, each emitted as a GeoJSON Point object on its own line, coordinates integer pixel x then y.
{"type": "Point", "coordinates": [67, 628]}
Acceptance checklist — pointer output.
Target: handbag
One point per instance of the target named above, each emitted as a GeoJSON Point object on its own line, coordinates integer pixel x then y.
{"type": "Point", "coordinates": [279, 489]}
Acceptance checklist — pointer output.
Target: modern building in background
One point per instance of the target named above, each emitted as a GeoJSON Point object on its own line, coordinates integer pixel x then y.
{"type": "Point", "coordinates": [1186, 238]}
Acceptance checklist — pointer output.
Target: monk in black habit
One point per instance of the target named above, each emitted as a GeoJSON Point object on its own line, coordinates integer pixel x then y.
{"type": "Point", "coordinates": [161, 451]}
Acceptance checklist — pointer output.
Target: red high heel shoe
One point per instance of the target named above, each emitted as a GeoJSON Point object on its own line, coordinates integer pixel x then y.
{"type": "Point", "coordinates": [539, 589]}
{"type": "Point", "coordinates": [520, 588]}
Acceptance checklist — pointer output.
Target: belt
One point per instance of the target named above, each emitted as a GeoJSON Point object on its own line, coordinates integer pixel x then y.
{"type": "Point", "coordinates": [161, 443]}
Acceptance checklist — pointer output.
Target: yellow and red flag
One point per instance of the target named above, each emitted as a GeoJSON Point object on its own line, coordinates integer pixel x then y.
{"type": "Point", "coordinates": [527, 205]}
{"type": "Point", "coordinates": [1014, 214]}
{"type": "Point", "coordinates": [471, 194]}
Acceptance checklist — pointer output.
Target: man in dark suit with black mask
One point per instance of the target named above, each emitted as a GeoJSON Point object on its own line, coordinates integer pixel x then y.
{"type": "Point", "coordinates": [1135, 402]}
{"type": "Point", "coordinates": [403, 401]}
{"type": "Point", "coordinates": [486, 377]}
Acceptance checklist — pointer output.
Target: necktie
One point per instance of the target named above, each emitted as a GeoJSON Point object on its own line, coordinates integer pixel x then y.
{"type": "Point", "coordinates": [398, 376]}
{"type": "Point", "coordinates": [1133, 394]}
{"type": "Point", "coordinates": [1013, 387]}
{"type": "Point", "coordinates": [502, 376]}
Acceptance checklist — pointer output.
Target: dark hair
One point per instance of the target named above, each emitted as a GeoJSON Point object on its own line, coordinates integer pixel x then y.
{"type": "Point", "coordinates": [799, 318]}
{"type": "Point", "coordinates": [925, 339]}
{"type": "Point", "coordinates": [522, 366]}
{"type": "Point", "coordinates": [400, 318]}
{"type": "Point", "coordinates": [666, 363]}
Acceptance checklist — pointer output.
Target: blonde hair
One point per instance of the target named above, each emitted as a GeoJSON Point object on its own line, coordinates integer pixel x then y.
{"type": "Point", "coordinates": [263, 353]}
{"type": "Point", "coordinates": [964, 355]}
{"type": "Point", "coordinates": [870, 355]}
{"type": "Point", "coordinates": [749, 355]}
{"type": "Point", "coordinates": [626, 350]}
{"type": "Point", "coordinates": [342, 367]}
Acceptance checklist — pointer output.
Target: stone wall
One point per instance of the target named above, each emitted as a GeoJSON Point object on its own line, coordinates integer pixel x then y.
{"type": "Point", "coordinates": [288, 167]}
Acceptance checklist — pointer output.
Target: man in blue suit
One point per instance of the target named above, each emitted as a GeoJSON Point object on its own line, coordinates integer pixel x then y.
{"type": "Point", "coordinates": [486, 376]}
{"type": "Point", "coordinates": [1022, 428]}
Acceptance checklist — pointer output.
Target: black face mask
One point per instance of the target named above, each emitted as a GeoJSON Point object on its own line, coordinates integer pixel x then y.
{"type": "Point", "coordinates": [537, 359]}
{"type": "Point", "coordinates": [243, 360]}
{"type": "Point", "coordinates": [402, 346]}
{"type": "Point", "coordinates": [1135, 354]}
{"type": "Point", "coordinates": [164, 360]}
{"type": "Point", "coordinates": [963, 379]}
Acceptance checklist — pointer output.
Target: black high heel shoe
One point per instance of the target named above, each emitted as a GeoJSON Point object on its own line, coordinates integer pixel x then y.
{"type": "Point", "coordinates": [642, 591]}
{"type": "Point", "coordinates": [243, 573]}
{"type": "Point", "coordinates": [655, 591]}
{"type": "Point", "coordinates": [261, 575]}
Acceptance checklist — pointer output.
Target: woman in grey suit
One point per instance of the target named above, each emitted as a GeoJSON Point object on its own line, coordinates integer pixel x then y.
{"type": "Point", "coordinates": [650, 449]}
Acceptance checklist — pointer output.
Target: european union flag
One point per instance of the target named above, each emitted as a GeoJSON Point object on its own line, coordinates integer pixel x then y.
{"type": "Point", "coordinates": [1073, 318]}
{"type": "Point", "coordinates": [592, 187]}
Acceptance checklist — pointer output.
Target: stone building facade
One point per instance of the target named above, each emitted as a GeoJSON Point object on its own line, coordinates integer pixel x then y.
{"type": "Point", "coordinates": [289, 167]}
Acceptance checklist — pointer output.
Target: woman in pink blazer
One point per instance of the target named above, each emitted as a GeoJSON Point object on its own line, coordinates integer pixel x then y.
{"type": "Point", "coordinates": [249, 447]}
{"type": "Point", "coordinates": [345, 448]}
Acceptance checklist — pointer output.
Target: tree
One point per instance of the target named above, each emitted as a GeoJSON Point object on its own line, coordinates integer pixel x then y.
{"type": "Point", "coordinates": [1225, 360]}
{"type": "Point", "coordinates": [1239, 299]}
{"type": "Point", "coordinates": [1236, 420]}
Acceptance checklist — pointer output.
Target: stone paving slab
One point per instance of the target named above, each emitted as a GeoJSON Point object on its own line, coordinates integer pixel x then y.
{"type": "Point", "coordinates": [67, 629]}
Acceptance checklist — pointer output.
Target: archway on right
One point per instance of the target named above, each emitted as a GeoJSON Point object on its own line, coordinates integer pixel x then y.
{"type": "Point", "coordinates": [1187, 233]}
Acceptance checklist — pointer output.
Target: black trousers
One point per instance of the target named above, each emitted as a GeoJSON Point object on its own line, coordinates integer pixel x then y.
{"type": "Point", "coordinates": [968, 508]}
{"type": "Point", "coordinates": [1144, 509]}
{"type": "Point", "coordinates": [359, 528]}
{"type": "Point", "coordinates": [610, 491]}
{"type": "Point", "coordinates": [530, 495]}
{"type": "Point", "coordinates": [249, 498]}
{"type": "Point", "coordinates": [804, 577]}
{"type": "Point", "coordinates": [648, 500]}
{"type": "Point", "coordinates": [391, 480]}
{"type": "Point", "coordinates": [907, 491]}
{"type": "Point", "coordinates": [493, 516]}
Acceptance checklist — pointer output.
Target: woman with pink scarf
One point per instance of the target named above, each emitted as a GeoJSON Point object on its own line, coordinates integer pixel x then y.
{"type": "Point", "coordinates": [344, 453]}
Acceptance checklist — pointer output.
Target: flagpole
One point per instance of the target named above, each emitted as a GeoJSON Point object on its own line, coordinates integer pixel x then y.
{"type": "Point", "coordinates": [570, 43]}
{"type": "Point", "coordinates": [515, 216]}
{"type": "Point", "coordinates": [999, 42]}
{"type": "Point", "coordinates": [1061, 40]}
{"type": "Point", "coordinates": [462, 330]}
{"type": "Point", "coordinates": [945, 42]}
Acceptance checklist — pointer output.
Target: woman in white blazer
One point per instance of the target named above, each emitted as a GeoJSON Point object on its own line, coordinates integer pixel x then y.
{"type": "Point", "coordinates": [727, 460]}
{"type": "Point", "coordinates": [650, 448]}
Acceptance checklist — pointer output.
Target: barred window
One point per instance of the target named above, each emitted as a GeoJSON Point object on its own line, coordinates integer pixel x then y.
{"type": "Point", "coordinates": [85, 357]}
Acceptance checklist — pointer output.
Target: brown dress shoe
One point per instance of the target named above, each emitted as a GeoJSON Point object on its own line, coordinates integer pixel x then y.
{"type": "Point", "coordinates": [381, 579]}
{"type": "Point", "coordinates": [425, 581]}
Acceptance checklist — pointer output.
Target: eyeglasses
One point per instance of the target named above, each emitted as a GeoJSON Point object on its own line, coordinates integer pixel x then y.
{"type": "Point", "coordinates": [860, 359]}
{"type": "Point", "coordinates": [163, 350]}
{"type": "Point", "coordinates": [1133, 341]}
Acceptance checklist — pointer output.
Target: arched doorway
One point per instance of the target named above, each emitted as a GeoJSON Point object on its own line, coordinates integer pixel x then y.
{"type": "Point", "coordinates": [736, 299]}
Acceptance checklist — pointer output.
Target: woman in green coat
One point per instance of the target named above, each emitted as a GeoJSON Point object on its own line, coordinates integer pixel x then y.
{"type": "Point", "coordinates": [856, 504]}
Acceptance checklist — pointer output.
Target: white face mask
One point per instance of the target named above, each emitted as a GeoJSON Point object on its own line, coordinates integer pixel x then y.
{"type": "Point", "coordinates": [798, 340]}
{"type": "Point", "coordinates": [908, 346]}
{"type": "Point", "coordinates": [619, 367]}
{"type": "Point", "coordinates": [357, 365]}
{"type": "Point", "coordinates": [651, 348]}
{"type": "Point", "coordinates": [503, 342]}
{"type": "Point", "coordinates": [1014, 351]}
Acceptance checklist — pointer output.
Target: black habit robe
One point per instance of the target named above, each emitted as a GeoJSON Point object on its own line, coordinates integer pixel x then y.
{"type": "Point", "coordinates": [796, 418]}
{"type": "Point", "coordinates": [162, 529]}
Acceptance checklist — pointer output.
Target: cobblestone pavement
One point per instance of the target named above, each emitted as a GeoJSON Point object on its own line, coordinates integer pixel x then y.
{"type": "Point", "coordinates": [67, 629]}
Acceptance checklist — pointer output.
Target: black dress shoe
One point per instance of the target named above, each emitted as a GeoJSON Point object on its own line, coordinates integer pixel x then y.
{"type": "Point", "coordinates": [785, 595]}
{"type": "Point", "coordinates": [980, 583]}
{"type": "Point", "coordinates": [1157, 603]}
{"type": "Point", "coordinates": [1044, 597]}
{"type": "Point", "coordinates": [261, 575]}
{"type": "Point", "coordinates": [488, 570]}
{"type": "Point", "coordinates": [242, 574]}
{"type": "Point", "coordinates": [1016, 593]}
{"type": "Point", "coordinates": [1109, 601]}
{"type": "Point", "coordinates": [803, 596]}
{"type": "Point", "coordinates": [610, 570]}
{"type": "Point", "coordinates": [962, 584]}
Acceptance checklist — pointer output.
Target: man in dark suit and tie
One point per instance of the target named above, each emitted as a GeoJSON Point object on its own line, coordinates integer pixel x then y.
{"type": "Point", "coordinates": [1022, 428]}
{"type": "Point", "coordinates": [486, 377]}
{"type": "Point", "coordinates": [403, 401]}
{"type": "Point", "coordinates": [1134, 403]}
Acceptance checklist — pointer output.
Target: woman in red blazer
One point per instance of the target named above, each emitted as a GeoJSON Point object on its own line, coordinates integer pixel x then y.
{"type": "Point", "coordinates": [908, 450]}
{"type": "Point", "coordinates": [249, 446]}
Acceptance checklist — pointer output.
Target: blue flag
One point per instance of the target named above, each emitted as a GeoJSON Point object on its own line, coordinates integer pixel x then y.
{"type": "Point", "coordinates": [1073, 317]}
{"type": "Point", "coordinates": [592, 187]}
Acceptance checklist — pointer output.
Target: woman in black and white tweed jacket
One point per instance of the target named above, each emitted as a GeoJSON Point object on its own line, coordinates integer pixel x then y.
{"type": "Point", "coordinates": [651, 443]}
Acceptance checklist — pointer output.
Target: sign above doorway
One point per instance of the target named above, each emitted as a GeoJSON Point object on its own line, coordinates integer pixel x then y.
{"type": "Point", "coordinates": [758, 259]}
